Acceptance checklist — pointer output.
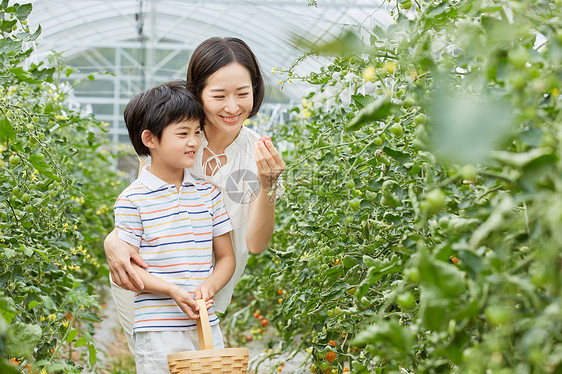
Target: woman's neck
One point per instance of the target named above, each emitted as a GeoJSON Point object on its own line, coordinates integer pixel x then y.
{"type": "Point", "coordinates": [218, 140]}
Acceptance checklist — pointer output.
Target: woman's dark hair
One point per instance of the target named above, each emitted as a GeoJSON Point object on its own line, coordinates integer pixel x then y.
{"type": "Point", "coordinates": [159, 107]}
{"type": "Point", "coordinates": [214, 54]}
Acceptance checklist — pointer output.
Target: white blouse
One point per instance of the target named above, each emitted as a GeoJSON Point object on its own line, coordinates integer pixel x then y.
{"type": "Point", "coordinates": [237, 180]}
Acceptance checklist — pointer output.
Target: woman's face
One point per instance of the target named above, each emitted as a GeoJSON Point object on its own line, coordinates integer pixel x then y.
{"type": "Point", "coordinates": [228, 98]}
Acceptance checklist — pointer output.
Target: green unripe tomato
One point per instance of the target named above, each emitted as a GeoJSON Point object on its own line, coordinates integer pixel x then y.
{"type": "Point", "coordinates": [26, 197]}
{"type": "Point", "coordinates": [324, 365]}
{"type": "Point", "coordinates": [378, 141]}
{"type": "Point", "coordinates": [35, 119]}
{"type": "Point", "coordinates": [16, 191]}
{"type": "Point", "coordinates": [397, 129]}
{"type": "Point", "coordinates": [412, 275]}
{"type": "Point", "coordinates": [349, 219]}
{"type": "Point", "coordinates": [14, 159]}
{"type": "Point", "coordinates": [406, 5]}
{"type": "Point", "coordinates": [420, 119]}
{"type": "Point", "coordinates": [409, 102]}
{"type": "Point", "coordinates": [406, 301]}
{"type": "Point", "coordinates": [28, 208]}
{"type": "Point", "coordinates": [435, 199]}
{"type": "Point", "coordinates": [350, 184]}
{"type": "Point", "coordinates": [518, 57]}
{"type": "Point", "coordinates": [53, 193]}
{"type": "Point", "coordinates": [498, 315]}
{"type": "Point", "coordinates": [355, 203]}
{"type": "Point", "coordinates": [469, 172]}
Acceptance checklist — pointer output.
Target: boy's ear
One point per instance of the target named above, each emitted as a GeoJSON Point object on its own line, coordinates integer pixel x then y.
{"type": "Point", "coordinates": [148, 139]}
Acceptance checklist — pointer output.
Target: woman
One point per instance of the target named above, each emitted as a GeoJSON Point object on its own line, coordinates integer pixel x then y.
{"type": "Point", "coordinates": [225, 76]}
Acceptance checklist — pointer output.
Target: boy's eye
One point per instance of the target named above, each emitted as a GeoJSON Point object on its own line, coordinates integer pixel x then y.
{"type": "Point", "coordinates": [244, 94]}
{"type": "Point", "coordinates": [218, 97]}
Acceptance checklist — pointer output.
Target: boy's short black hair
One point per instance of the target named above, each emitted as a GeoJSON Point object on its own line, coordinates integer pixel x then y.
{"type": "Point", "coordinates": [159, 107]}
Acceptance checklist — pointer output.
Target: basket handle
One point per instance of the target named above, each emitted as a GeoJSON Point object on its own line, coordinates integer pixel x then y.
{"type": "Point", "coordinates": [203, 327]}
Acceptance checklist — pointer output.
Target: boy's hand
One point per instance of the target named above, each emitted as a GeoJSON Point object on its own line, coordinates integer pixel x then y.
{"type": "Point", "coordinates": [205, 293]}
{"type": "Point", "coordinates": [186, 303]}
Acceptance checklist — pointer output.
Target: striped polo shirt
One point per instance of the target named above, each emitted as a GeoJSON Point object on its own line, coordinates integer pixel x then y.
{"type": "Point", "coordinates": [173, 231]}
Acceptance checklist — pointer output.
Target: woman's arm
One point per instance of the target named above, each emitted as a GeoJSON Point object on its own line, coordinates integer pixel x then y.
{"type": "Point", "coordinates": [120, 256]}
{"type": "Point", "coordinates": [261, 218]}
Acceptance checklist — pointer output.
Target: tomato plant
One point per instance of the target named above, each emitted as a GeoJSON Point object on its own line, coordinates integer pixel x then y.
{"type": "Point", "coordinates": [472, 174]}
{"type": "Point", "coordinates": [56, 191]}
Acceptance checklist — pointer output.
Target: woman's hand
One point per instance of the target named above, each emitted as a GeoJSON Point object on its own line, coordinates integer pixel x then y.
{"type": "Point", "coordinates": [119, 256]}
{"type": "Point", "coordinates": [269, 162]}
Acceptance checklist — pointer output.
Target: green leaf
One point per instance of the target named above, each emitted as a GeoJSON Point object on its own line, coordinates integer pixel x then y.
{"type": "Point", "coordinates": [27, 37]}
{"type": "Point", "coordinates": [7, 368]}
{"type": "Point", "coordinates": [23, 11]}
{"type": "Point", "coordinates": [522, 159]}
{"type": "Point", "coordinates": [348, 44]}
{"type": "Point", "coordinates": [22, 339]}
{"type": "Point", "coordinates": [387, 333]}
{"type": "Point", "coordinates": [6, 25]}
{"type": "Point", "coordinates": [32, 304]}
{"type": "Point", "coordinates": [466, 128]}
{"type": "Point", "coordinates": [7, 308]}
{"type": "Point", "coordinates": [23, 75]}
{"type": "Point", "coordinates": [81, 341]}
{"type": "Point", "coordinates": [38, 163]}
{"type": "Point", "coordinates": [71, 336]}
{"type": "Point", "coordinates": [92, 355]}
{"type": "Point", "coordinates": [7, 131]}
{"type": "Point", "coordinates": [443, 279]}
{"type": "Point", "coordinates": [375, 111]}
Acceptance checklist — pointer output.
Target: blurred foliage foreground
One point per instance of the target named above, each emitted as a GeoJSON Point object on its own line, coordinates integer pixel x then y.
{"type": "Point", "coordinates": [56, 193]}
{"type": "Point", "coordinates": [420, 230]}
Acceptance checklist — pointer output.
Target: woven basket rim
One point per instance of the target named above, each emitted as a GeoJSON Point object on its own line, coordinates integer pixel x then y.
{"type": "Point", "coordinates": [208, 353]}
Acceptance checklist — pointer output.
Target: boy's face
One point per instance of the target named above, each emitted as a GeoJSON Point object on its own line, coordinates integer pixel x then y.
{"type": "Point", "coordinates": [178, 145]}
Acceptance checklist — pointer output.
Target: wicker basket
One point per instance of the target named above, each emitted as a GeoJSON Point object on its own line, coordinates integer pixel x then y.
{"type": "Point", "coordinates": [208, 360]}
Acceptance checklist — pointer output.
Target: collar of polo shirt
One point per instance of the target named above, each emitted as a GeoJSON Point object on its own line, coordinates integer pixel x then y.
{"type": "Point", "coordinates": [154, 183]}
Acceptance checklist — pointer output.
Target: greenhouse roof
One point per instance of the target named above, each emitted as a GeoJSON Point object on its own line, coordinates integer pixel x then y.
{"type": "Point", "coordinates": [145, 42]}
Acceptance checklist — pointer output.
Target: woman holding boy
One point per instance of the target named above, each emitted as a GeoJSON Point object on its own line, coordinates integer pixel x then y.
{"type": "Point", "coordinates": [225, 77]}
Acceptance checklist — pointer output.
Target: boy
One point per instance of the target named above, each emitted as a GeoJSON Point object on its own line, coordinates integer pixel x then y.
{"type": "Point", "coordinates": [177, 222]}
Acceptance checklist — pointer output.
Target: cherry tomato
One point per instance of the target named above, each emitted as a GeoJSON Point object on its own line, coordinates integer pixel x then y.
{"type": "Point", "coordinates": [355, 203]}
{"type": "Point", "coordinates": [436, 199]}
{"type": "Point", "coordinates": [331, 356]}
{"type": "Point", "coordinates": [397, 129]}
{"type": "Point", "coordinates": [420, 119]}
{"type": "Point", "coordinates": [14, 160]}
{"type": "Point", "coordinates": [406, 300]}
{"type": "Point", "coordinates": [264, 138]}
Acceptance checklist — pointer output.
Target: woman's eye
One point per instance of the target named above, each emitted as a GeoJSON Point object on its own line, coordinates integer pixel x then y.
{"type": "Point", "coordinates": [182, 134]}
{"type": "Point", "coordinates": [244, 94]}
{"type": "Point", "coordinates": [218, 97]}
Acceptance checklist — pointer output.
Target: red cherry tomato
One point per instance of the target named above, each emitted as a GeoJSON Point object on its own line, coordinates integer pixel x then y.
{"type": "Point", "coordinates": [264, 138]}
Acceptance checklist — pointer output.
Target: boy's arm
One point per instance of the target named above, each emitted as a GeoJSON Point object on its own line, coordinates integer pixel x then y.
{"type": "Point", "coordinates": [156, 285]}
{"type": "Point", "coordinates": [225, 263]}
